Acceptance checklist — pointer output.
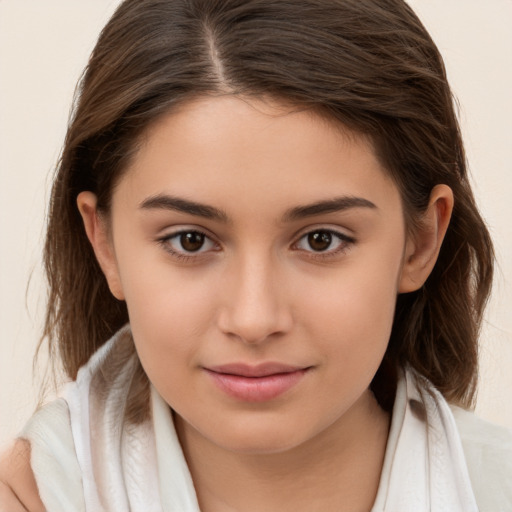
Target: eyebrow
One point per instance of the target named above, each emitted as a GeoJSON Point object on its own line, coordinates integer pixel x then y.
{"type": "Point", "coordinates": [334, 205]}
{"type": "Point", "coordinates": [177, 204]}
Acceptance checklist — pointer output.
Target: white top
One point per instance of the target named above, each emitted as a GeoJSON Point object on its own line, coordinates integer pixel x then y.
{"type": "Point", "coordinates": [438, 458]}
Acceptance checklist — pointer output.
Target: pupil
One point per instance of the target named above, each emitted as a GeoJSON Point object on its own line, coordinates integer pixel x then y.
{"type": "Point", "coordinates": [192, 241]}
{"type": "Point", "coordinates": [320, 240]}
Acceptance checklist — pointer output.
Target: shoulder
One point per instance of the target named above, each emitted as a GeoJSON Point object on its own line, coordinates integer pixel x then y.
{"type": "Point", "coordinates": [49, 422]}
{"type": "Point", "coordinates": [488, 452]}
{"type": "Point", "coordinates": [53, 457]}
{"type": "Point", "coordinates": [18, 488]}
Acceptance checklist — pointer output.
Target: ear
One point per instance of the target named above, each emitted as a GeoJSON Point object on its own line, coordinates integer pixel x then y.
{"type": "Point", "coordinates": [98, 234]}
{"type": "Point", "coordinates": [422, 248]}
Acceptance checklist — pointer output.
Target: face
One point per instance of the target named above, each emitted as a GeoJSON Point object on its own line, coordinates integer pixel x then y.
{"type": "Point", "coordinates": [260, 252]}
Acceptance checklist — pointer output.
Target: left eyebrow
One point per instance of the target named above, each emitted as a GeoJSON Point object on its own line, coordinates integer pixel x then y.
{"type": "Point", "coordinates": [178, 204]}
{"type": "Point", "coordinates": [337, 204]}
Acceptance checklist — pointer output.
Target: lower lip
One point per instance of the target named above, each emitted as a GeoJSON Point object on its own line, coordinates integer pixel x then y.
{"type": "Point", "coordinates": [256, 389]}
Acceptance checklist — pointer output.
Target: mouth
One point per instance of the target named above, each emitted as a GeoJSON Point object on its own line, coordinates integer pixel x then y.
{"type": "Point", "coordinates": [260, 383]}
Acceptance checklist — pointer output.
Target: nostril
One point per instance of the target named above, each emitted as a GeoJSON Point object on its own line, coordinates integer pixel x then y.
{"type": "Point", "coordinates": [255, 307]}
{"type": "Point", "coordinates": [254, 327]}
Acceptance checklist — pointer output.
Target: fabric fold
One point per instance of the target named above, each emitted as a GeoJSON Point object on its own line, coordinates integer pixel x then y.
{"type": "Point", "coordinates": [120, 466]}
{"type": "Point", "coordinates": [424, 468]}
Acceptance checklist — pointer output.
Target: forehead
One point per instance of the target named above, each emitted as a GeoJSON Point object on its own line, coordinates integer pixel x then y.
{"type": "Point", "coordinates": [226, 148]}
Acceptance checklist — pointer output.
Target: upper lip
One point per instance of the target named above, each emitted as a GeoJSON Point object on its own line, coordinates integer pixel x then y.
{"type": "Point", "coordinates": [259, 370]}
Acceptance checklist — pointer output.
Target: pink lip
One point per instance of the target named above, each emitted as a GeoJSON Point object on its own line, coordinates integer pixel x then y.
{"type": "Point", "coordinates": [256, 383]}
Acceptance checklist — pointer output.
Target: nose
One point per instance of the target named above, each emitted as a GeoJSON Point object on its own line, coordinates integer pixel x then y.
{"type": "Point", "coordinates": [256, 307]}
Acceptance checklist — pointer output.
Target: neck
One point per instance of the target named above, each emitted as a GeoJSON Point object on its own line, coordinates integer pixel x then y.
{"type": "Point", "coordinates": [337, 470]}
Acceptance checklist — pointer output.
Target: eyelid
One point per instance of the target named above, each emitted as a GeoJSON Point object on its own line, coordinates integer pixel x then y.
{"type": "Point", "coordinates": [342, 232]}
{"type": "Point", "coordinates": [346, 241]}
{"type": "Point", "coordinates": [164, 239]}
{"type": "Point", "coordinates": [170, 231]}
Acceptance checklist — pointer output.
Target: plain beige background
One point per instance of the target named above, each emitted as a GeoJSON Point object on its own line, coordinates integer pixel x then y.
{"type": "Point", "coordinates": [44, 45]}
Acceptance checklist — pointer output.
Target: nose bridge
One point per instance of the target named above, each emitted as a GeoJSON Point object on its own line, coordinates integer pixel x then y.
{"type": "Point", "coordinates": [255, 306]}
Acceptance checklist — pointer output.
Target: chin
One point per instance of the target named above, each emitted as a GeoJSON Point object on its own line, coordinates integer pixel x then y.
{"type": "Point", "coordinates": [261, 438]}
{"type": "Point", "coordinates": [259, 446]}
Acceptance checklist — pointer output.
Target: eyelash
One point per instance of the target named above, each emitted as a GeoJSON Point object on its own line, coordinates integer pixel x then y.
{"type": "Point", "coordinates": [344, 243]}
{"type": "Point", "coordinates": [165, 241]}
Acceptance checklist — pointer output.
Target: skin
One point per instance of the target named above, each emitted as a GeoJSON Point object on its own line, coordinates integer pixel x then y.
{"type": "Point", "coordinates": [18, 489]}
{"type": "Point", "coordinates": [260, 289]}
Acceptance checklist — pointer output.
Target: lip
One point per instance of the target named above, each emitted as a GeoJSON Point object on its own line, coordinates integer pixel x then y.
{"type": "Point", "coordinates": [259, 383]}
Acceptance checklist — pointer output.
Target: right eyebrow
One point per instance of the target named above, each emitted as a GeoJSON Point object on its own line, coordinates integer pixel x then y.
{"type": "Point", "coordinates": [334, 205]}
{"type": "Point", "coordinates": [178, 204]}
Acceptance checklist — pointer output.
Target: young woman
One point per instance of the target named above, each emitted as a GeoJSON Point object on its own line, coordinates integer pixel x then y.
{"type": "Point", "coordinates": [267, 272]}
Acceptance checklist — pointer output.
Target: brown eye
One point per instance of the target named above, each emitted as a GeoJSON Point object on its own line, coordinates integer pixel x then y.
{"type": "Point", "coordinates": [320, 240]}
{"type": "Point", "coordinates": [188, 244]}
{"type": "Point", "coordinates": [324, 242]}
{"type": "Point", "coordinates": [192, 241]}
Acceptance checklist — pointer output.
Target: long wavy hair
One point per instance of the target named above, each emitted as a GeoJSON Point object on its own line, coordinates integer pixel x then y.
{"type": "Point", "coordinates": [367, 64]}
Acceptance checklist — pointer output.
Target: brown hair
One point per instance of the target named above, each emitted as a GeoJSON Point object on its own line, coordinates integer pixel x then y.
{"type": "Point", "coordinates": [369, 64]}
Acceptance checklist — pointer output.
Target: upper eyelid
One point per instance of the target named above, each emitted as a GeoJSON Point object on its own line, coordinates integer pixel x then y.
{"type": "Point", "coordinates": [341, 236]}
{"type": "Point", "coordinates": [167, 235]}
{"type": "Point", "coordinates": [172, 232]}
{"type": "Point", "coordinates": [184, 255]}
{"type": "Point", "coordinates": [345, 243]}
{"type": "Point", "coordinates": [330, 229]}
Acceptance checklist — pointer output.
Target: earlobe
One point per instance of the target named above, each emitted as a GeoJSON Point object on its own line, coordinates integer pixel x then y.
{"type": "Point", "coordinates": [97, 233]}
{"type": "Point", "coordinates": [423, 248]}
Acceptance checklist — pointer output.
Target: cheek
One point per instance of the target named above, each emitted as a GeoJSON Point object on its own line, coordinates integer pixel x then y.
{"type": "Point", "coordinates": [158, 292]}
{"type": "Point", "coordinates": [353, 309]}
{"type": "Point", "coordinates": [351, 332]}
{"type": "Point", "coordinates": [169, 313]}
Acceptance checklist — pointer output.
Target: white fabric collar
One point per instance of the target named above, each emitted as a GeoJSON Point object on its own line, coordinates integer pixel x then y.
{"type": "Point", "coordinates": [424, 467]}
{"type": "Point", "coordinates": [142, 468]}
